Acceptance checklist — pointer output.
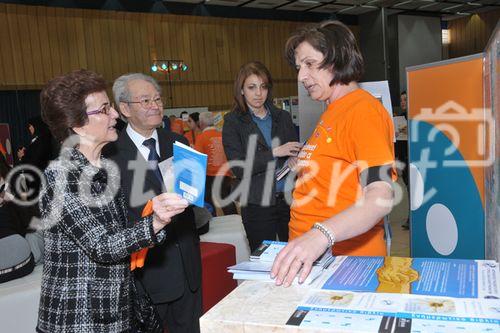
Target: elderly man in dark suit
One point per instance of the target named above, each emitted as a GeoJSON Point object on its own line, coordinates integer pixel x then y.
{"type": "Point", "coordinates": [171, 274]}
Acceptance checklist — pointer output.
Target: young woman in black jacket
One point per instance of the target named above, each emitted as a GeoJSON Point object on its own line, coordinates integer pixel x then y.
{"type": "Point", "coordinates": [259, 139]}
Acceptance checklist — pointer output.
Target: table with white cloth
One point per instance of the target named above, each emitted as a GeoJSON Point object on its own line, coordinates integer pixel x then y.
{"type": "Point", "coordinates": [19, 303]}
{"type": "Point", "coordinates": [229, 229]}
{"type": "Point", "coordinates": [369, 294]}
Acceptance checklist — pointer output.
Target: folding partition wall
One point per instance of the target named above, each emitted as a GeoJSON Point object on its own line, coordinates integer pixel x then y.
{"type": "Point", "coordinates": [492, 172]}
{"type": "Point", "coordinates": [450, 149]}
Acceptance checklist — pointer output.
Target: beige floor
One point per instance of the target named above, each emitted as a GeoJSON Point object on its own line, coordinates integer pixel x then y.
{"type": "Point", "coordinates": [400, 245]}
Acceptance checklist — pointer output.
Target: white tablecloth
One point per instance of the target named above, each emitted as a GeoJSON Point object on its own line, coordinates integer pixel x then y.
{"type": "Point", "coordinates": [19, 303]}
{"type": "Point", "coordinates": [229, 229]}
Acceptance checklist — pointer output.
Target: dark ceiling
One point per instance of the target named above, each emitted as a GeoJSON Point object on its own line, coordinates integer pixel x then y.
{"type": "Point", "coordinates": [302, 10]}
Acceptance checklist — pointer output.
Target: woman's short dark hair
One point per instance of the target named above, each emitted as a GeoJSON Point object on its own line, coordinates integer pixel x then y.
{"type": "Point", "coordinates": [338, 46]}
{"type": "Point", "coordinates": [248, 69]}
{"type": "Point", "coordinates": [63, 101]}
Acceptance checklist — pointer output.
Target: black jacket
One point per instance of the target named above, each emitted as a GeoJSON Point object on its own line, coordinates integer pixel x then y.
{"type": "Point", "coordinates": [237, 133]}
{"type": "Point", "coordinates": [38, 154]}
{"type": "Point", "coordinates": [176, 260]}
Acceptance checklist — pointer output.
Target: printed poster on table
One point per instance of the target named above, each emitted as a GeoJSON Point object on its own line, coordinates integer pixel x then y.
{"type": "Point", "coordinates": [419, 276]}
{"type": "Point", "coordinates": [395, 313]}
{"type": "Point", "coordinates": [403, 295]}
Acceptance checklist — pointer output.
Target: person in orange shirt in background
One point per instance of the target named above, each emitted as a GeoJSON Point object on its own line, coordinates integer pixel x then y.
{"type": "Point", "coordinates": [176, 125]}
{"type": "Point", "coordinates": [194, 128]}
{"type": "Point", "coordinates": [209, 142]}
{"type": "Point", "coordinates": [2, 150]}
{"type": "Point", "coordinates": [346, 168]}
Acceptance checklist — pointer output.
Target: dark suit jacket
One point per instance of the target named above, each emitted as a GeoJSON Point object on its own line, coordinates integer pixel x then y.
{"type": "Point", "coordinates": [176, 260]}
{"type": "Point", "coordinates": [237, 132]}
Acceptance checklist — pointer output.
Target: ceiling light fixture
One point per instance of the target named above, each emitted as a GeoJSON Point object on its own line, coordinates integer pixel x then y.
{"type": "Point", "coordinates": [432, 3]}
{"type": "Point", "coordinates": [168, 65]}
{"type": "Point", "coordinates": [454, 6]}
{"type": "Point", "coordinates": [402, 3]}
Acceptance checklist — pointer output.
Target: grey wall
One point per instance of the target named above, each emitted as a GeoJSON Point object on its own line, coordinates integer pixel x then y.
{"type": "Point", "coordinates": [419, 41]}
{"type": "Point", "coordinates": [372, 45]}
{"type": "Point", "coordinates": [393, 57]}
{"type": "Point", "coordinates": [409, 41]}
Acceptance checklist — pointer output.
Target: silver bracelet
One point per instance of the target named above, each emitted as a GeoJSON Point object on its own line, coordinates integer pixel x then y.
{"type": "Point", "coordinates": [327, 232]}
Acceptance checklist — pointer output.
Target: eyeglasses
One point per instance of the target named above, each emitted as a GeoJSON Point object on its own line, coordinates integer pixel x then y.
{"type": "Point", "coordinates": [104, 109]}
{"type": "Point", "coordinates": [147, 103]}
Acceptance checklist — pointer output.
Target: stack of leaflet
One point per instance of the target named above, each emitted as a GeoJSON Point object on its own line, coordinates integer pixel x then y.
{"type": "Point", "coordinates": [261, 262]}
{"type": "Point", "coordinates": [283, 171]}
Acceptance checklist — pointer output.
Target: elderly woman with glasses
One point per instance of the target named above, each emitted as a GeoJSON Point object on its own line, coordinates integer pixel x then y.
{"type": "Point", "coordinates": [86, 280]}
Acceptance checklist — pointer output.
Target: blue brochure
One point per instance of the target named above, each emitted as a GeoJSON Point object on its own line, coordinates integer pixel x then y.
{"type": "Point", "coordinates": [190, 171]}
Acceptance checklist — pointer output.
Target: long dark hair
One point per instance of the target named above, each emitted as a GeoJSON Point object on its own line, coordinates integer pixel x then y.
{"type": "Point", "coordinates": [41, 129]}
{"type": "Point", "coordinates": [196, 118]}
{"type": "Point", "coordinates": [253, 67]}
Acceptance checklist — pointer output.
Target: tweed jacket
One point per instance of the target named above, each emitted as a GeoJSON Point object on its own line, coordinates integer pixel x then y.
{"type": "Point", "coordinates": [86, 273]}
{"type": "Point", "coordinates": [237, 133]}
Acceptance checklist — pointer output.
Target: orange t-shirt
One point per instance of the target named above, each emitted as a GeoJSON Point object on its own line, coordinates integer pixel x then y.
{"type": "Point", "coordinates": [177, 126]}
{"type": "Point", "coordinates": [354, 133]}
{"type": "Point", "coordinates": [2, 150]}
{"type": "Point", "coordinates": [210, 142]}
{"type": "Point", "coordinates": [192, 136]}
